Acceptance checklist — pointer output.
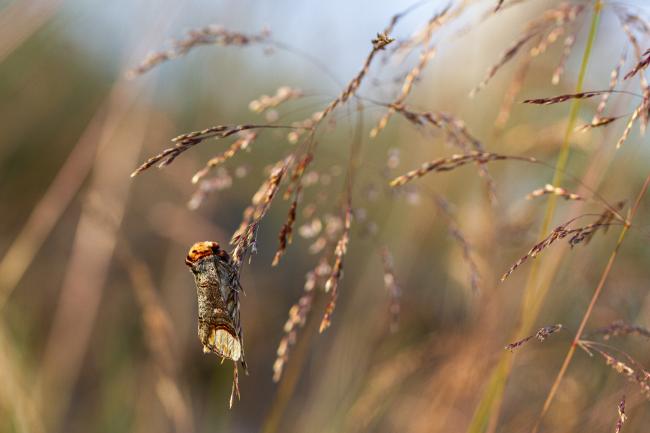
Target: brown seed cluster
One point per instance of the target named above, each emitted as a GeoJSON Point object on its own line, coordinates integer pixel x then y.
{"type": "Point", "coordinates": [298, 316]}
{"type": "Point", "coordinates": [625, 366]}
{"type": "Point", "coordinates": [265, 102]}
{"type": "Point", "coordinates": [634, 27]}
{"type": "Point", "coordinates": [210, 35]}
{"type": "Point", "coordinates": [456, 132]}
{"type": "Point", "coordinates": [427, 54]}
{"type": "Point", "coordinates": [286, 232]}
{"type": "Point", "coordinates": [460, 238]}
{"type": "Point", "coordinates": [541, 32]}
{"type": "Point", "coordinates": [295, 188]}
{"type": "Point", "coordinates": [620, 328]}
{"type": "Point", "coordinates": [514, 88]}
{"type": "Point", "coordinates": [332, 283]}
{"type": "Point", "coordinates": [544, 29]}
{"type": "Point", "coordinates": [621, 415]}
{"type": "Point", "coordinates": [629, 125]}
{"type": "Point", "coordinates": [577, 235]}
{"type": "Point", "coordinates": [566, 97]}
{"type": "Point", "coordinates": [541, 335]}
{"type": "Point", "coordinates": [451, 163]}
{"type": "Point", "coordinates": [568, 44]}
{"type": "Point", "coordinates": [605, 219]}
{"type": "Point", "coordinates": [613, 81]}
{"type": "Point", "coordinates": [184, 142]}
{"type": "Point", "coordinates": [379, 43]}
{"type": "Point", "coordinates": [597, 123]}
{"type": "Point", "coordinates": [618, 365]}
{"type": "Point", "coordinates": [220, 181]}
{"type": "Point", "coordinates": [243, 143]}
{"type": "Point", "coordinates": [428, 51]}
{"type": "Point", "coordinates": [244, 239]}
{"type": "Point", "coordinates": [641, 65]}
{"type": "Point", "coordinates": [553, 190]}
{"type": "Point", "coordinates": [545, 42]}
{"type": "Point", "coordinates": [506, 56]}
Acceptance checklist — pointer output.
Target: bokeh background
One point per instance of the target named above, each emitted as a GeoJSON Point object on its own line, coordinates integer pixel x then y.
{"type": "Point", "coordinates": [98, 310]}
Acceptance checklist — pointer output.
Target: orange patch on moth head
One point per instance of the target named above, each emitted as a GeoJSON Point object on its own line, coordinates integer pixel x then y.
{"type": "Point", "coordinates": [200, 250]}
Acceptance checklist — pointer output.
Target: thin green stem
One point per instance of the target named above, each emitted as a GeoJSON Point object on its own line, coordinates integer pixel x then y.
{"type": "Point", "coordinates": [486, 415]}
{"type": "Point", "coordinates": [590, 308]}
{"type": "Point", "coordinates": [535, 298]}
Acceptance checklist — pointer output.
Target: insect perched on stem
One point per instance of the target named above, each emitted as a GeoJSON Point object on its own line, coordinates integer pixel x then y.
{"type": "Point", "coordinates": [217, 290]}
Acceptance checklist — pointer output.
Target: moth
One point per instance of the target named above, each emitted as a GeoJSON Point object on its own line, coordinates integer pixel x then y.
{"type": "Point", "coordinates": [217, 290]}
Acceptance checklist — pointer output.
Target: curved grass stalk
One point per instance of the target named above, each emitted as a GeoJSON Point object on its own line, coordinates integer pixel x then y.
{"type": "Point", "coordinates": [486, 414]}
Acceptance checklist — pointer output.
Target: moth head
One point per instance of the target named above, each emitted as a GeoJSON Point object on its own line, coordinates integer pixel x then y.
{"type": "Point", "coordinates": [201, 250]}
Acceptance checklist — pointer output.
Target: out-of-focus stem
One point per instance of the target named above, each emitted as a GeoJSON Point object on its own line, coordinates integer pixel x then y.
{"type": "Point", "coordinates": [50, 208]}
{"type": "Point", "coordinates": [291, 376]}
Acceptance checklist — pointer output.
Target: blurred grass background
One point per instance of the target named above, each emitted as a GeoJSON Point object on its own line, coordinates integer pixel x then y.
{"type": "Point", "coordinates": [77, 353]}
